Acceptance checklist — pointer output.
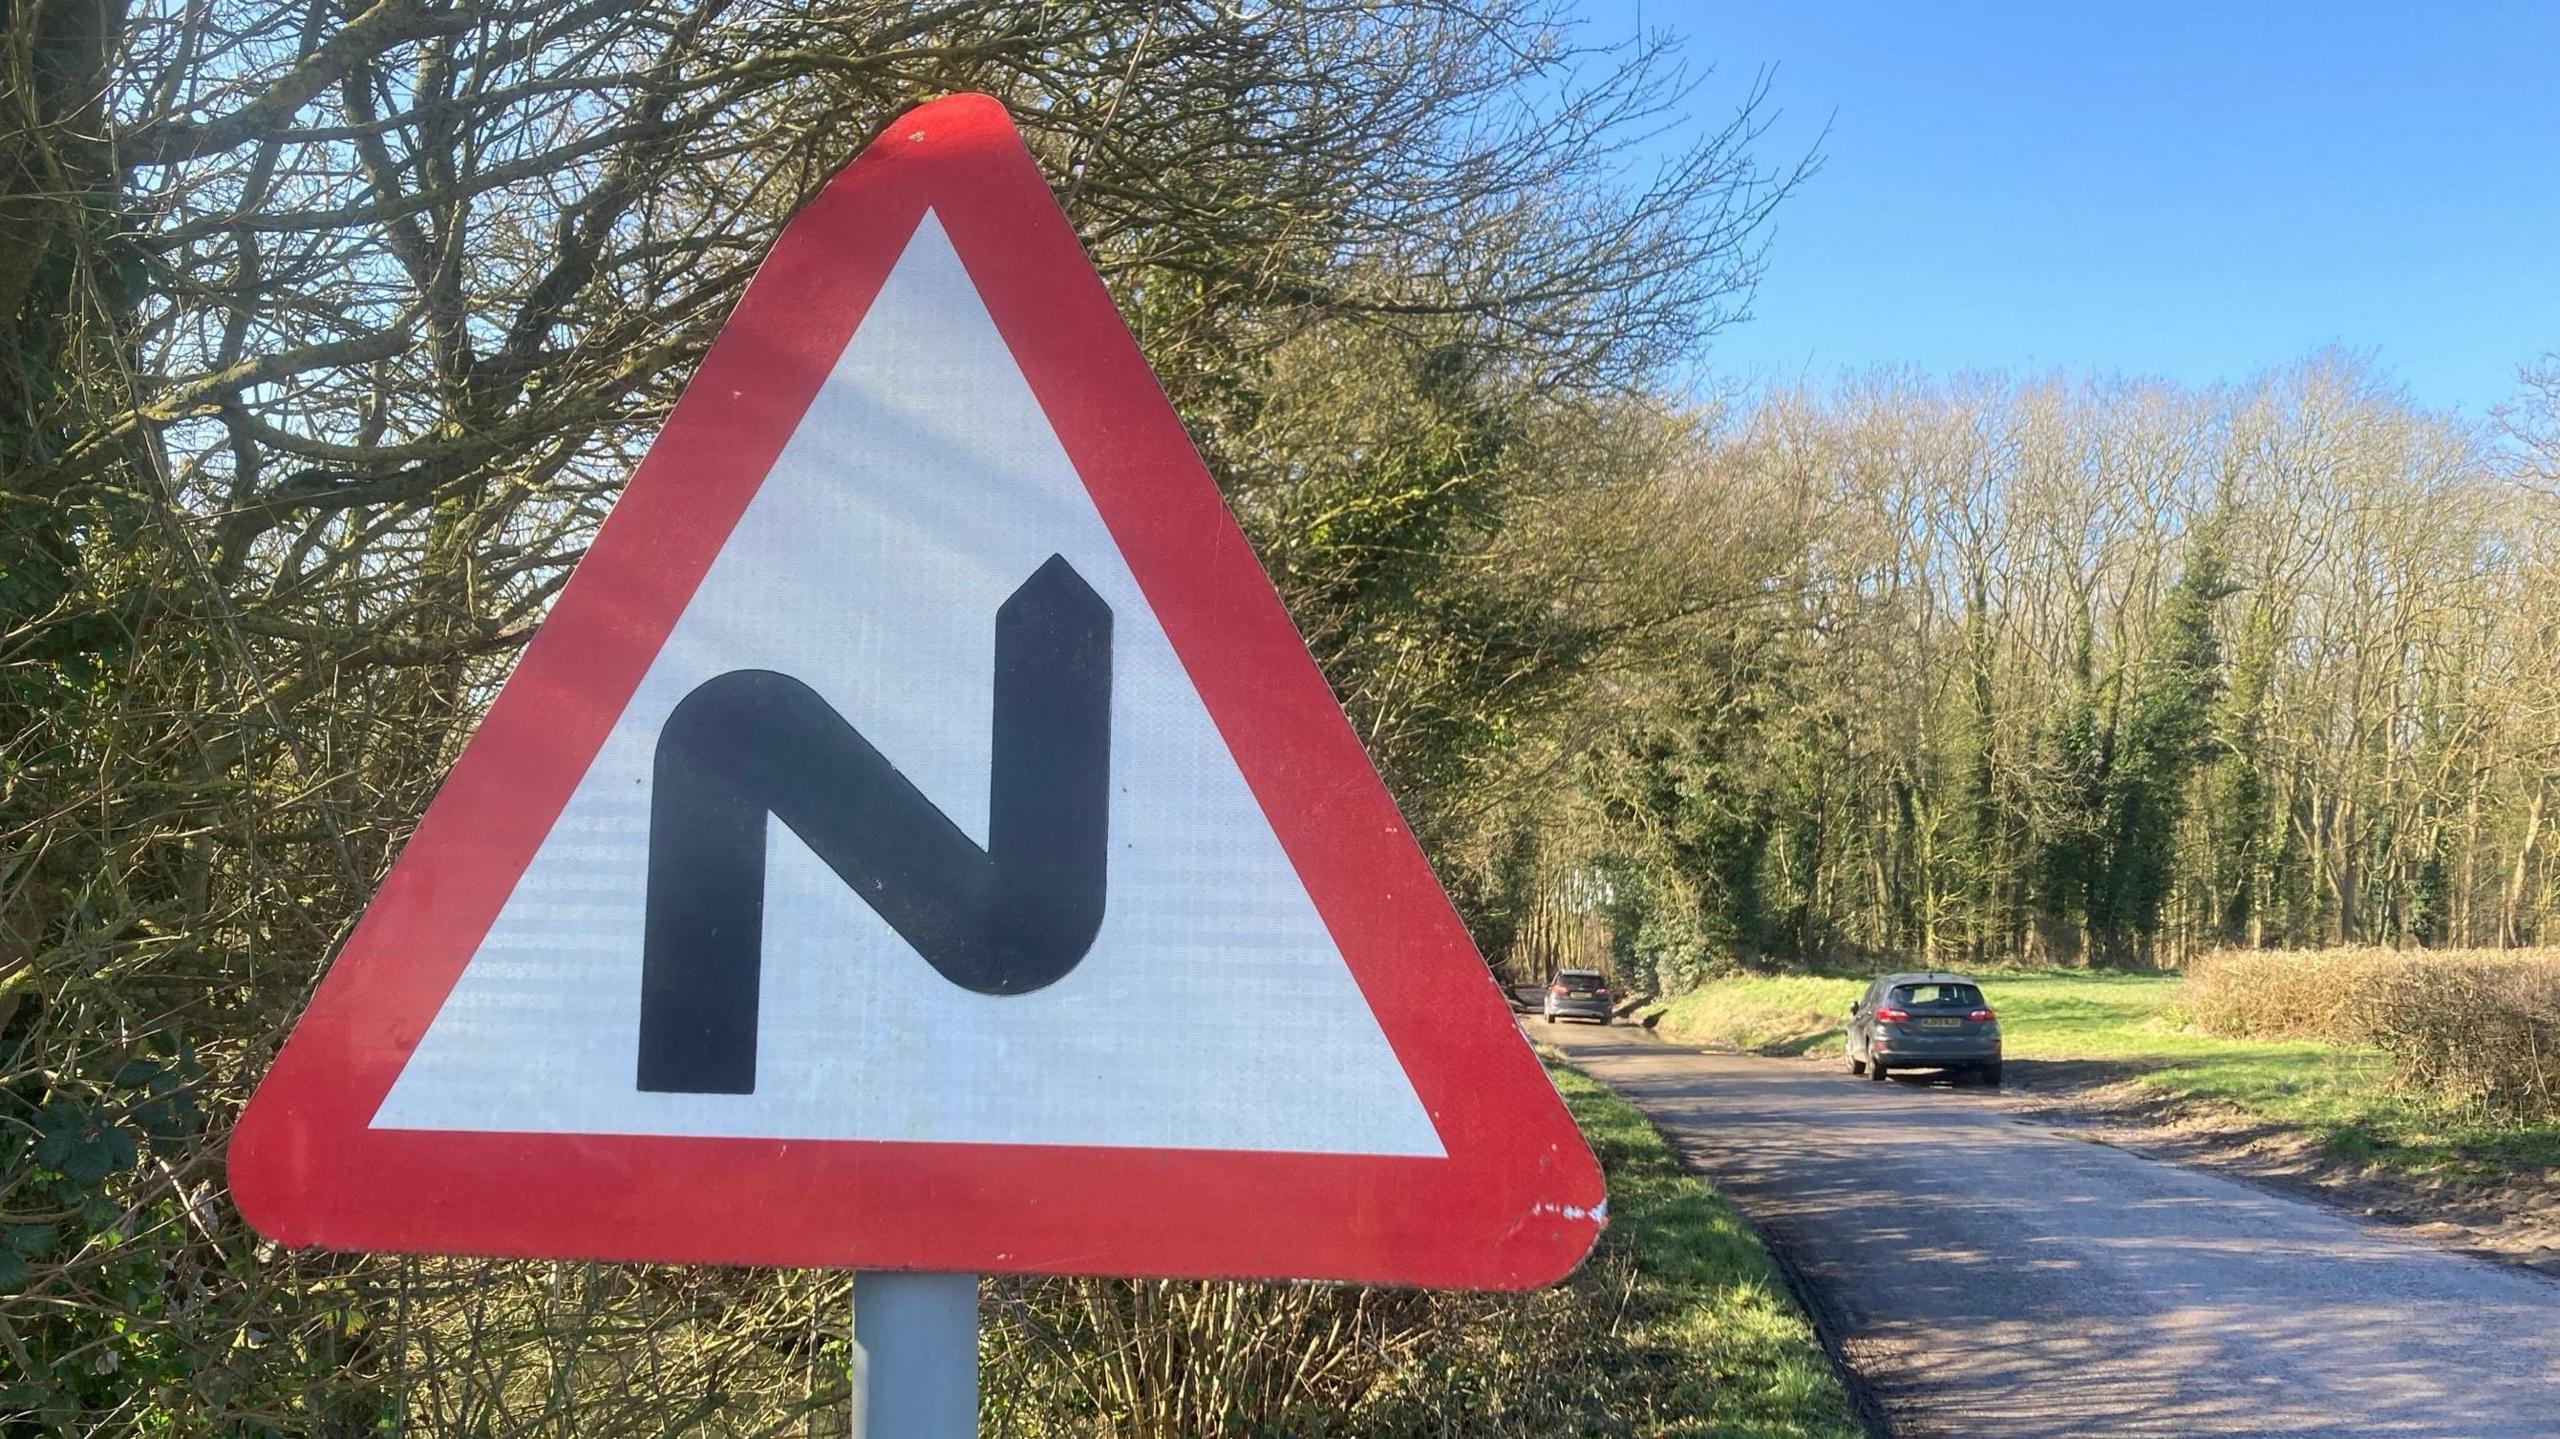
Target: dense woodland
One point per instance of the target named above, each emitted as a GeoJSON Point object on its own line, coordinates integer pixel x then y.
{"type": "Point", "coordinates": [2089, 672]}
{"type": "Point", "coordinates": [328, 332]}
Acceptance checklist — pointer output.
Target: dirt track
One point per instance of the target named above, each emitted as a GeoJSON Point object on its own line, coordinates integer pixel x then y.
{"type": "Point", "coordinates": [1988, 1275]}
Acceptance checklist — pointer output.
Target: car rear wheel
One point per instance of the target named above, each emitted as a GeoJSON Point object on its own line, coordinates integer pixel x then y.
{"type": "Point", "coordinates": [1875, 1070]}
{"type": "Point", "coordinates": [1990, 1073]}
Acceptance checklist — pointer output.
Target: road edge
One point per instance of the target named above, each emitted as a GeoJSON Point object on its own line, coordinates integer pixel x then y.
{"type": "Point", "coordinates": [1864, 1405]}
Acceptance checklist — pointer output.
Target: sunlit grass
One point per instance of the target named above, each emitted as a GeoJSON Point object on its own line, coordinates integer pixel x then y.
{"type": "Point", "coordinates": [2340, 1096]}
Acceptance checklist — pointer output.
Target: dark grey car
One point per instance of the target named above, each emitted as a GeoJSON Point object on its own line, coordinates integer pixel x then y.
{"type": "Point", "coordinates": [1924, 1021]}
{"type": "Point", "coordinates": [1579, 994]}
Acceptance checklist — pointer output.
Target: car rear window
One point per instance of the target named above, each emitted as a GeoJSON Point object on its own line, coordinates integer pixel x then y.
{"type": "Point", "coordinates": [1938, 996]}
{"type": "Point", "coordinates": [1578, 976]}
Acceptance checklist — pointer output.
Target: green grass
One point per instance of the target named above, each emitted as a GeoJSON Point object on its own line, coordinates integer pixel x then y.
{"type": "Point", "coordinates": [1711, 1345]}
{"type": "Point", "coordinates": [2130, 1026]}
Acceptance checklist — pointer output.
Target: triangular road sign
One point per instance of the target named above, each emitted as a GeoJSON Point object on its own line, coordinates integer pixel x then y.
{"type": "Point", "coordinates": [917, 839]}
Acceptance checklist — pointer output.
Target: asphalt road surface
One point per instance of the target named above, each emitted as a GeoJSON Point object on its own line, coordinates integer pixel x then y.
{"type": "Point", "coordinates": [1989, 1276]}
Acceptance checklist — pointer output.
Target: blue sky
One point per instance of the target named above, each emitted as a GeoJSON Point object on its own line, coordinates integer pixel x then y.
{"type": "Point", "coordinates": [2185, 190]}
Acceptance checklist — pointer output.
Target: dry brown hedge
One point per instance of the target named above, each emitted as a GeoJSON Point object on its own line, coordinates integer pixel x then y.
{"type": "Point", "coordinates": [2478, 1028]}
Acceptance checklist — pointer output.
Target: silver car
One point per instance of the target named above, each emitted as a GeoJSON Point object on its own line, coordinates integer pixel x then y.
{"type": "Point", "coordinates": [1924, 1021]}
{"type": "Point", "coordinates": [1579, 994]}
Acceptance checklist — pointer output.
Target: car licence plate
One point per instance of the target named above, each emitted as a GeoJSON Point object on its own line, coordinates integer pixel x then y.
{"type": "Point", "coordinates": [1940, 1023]}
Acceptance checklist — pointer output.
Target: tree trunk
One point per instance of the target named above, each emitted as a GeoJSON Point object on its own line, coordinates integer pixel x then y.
{"type": "Point", "coordinates": [2511, 915]}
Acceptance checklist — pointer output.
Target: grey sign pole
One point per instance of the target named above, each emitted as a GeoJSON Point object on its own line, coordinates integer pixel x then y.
{"type": "Point", "coordinates": [915, 1356]}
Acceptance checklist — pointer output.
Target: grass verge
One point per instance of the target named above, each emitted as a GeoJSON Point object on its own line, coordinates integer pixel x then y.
{"type": "Point", "coordinates": [1678, 1327]}
{"type": "Point", "coordinates": [1711, 1343]}
{"type": "Point", "coordinates": [2079, 1027]}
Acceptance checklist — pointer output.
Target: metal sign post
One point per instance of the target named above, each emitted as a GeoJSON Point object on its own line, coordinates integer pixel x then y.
{"type": "Point", "coordinates": [915, 1356]}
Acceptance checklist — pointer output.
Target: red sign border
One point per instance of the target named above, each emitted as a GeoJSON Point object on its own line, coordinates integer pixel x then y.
{"type": "Point", "coordinates": [1516, 1203]}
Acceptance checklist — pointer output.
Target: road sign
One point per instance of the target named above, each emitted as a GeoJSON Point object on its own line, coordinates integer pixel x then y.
{"type": "Point", "coordinates": [917, 839]}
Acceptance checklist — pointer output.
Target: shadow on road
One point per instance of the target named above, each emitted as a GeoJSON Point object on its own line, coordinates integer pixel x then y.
{"type": "Point", "coordinates": [1991, 1276]}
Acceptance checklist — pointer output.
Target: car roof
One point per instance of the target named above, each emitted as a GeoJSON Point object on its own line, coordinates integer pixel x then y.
{"type": "Point", "coordinates": [1930, 976]}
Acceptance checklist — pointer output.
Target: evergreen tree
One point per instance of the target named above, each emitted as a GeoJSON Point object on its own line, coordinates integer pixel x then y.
{"type": "Point", "coordinates": [2237, 792]}
{"type": "Point", "coordinates": [2168, 723]}
{"type": "Point", "coordinates": [2072, 799]}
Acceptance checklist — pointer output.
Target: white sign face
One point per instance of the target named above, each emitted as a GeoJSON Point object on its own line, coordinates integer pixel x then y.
{"type": "Point", "coordinates": [1212, 1010]}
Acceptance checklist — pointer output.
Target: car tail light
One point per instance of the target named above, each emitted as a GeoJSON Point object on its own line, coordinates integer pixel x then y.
{"type": "Point", "coordinates": [1601, 993]}
{"type": "Point", "coordinates": [1893, 1016]}
{"type": "Point", "coordinates": [1558, 988]}
{"type": "Point", "coordinates": [1980, 1015]}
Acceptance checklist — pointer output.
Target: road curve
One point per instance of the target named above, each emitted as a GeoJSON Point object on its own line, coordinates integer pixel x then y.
{"type": "Point", "coordinates": [1990, 1277]}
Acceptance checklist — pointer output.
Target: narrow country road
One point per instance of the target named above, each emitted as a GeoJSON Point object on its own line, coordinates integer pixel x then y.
{"type": "Point", "coordinates": [1989, 1276]}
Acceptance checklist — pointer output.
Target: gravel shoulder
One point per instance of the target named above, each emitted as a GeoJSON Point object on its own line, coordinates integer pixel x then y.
{"type": "Point", "coordinates": [1993, 1272]}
